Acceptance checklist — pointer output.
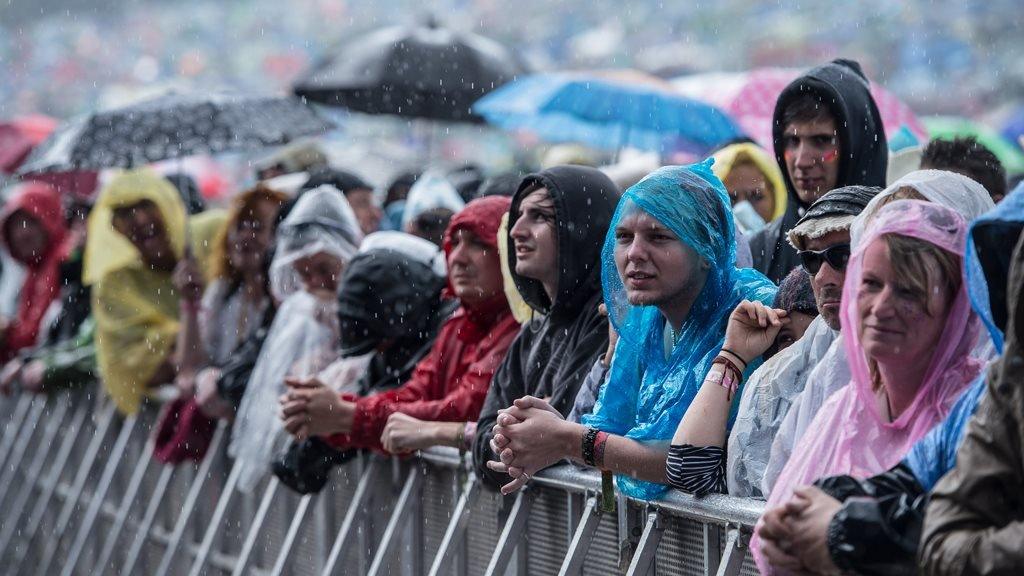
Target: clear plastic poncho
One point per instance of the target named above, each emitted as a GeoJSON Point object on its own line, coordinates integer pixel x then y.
{"type": "Point", "coordinates": [321, 221]}
{"type": "Point", "coordinates": [303, 339]}
{"type": "Point", "coordinates": [646, 394]}
{"type": "Point", "coordinates": [431, 190]}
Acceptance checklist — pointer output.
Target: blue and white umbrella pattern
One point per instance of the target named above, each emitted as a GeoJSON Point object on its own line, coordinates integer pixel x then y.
{"type": "Point", "coordinates": [609, 111]}
{"type": "Point", "coordinates": [174, 126]}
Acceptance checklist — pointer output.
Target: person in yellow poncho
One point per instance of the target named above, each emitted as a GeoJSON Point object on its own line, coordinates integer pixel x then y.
{"type": "Point", "coordinates": [137, 236]}
{"type": "Point", "coordinates": [750, 174]}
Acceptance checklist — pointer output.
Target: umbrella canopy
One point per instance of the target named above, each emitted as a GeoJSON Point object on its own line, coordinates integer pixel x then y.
{"type": "Point", "coordinates": [608, 110]}
{"type": "Point", "coordinates": [749, 97]}
{"type": "Point", "coordinates": [418, 72]}
{"type": "Point", "coordinates": [19, 136]}
{"type": "Point", "coordinates": [949, 127]}
{"type": "Point", "coordinates": [173, 126]}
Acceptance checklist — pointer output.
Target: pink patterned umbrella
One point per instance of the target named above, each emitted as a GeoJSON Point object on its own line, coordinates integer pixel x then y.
{"type": "Point", "coordinates": [749, 97]}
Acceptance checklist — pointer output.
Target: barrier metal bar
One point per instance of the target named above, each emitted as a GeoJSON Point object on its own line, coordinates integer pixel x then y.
{"type": "Point", "coordinates": [732, 559]}
{"type": "Point", "coordinates": [403, 507]}
{"type": "Point", "coordinates": [357, 507]}
{"type": "Point", "coordinates": [12, 515]}
{"type": "Point", "coordinates": [647, 549]}
{"type": "Point", "coordinates": [455, 533]}
{"type": "Point", "coordinates": [712, 544]}
{"type": "Point", "coordinates": [145, 526]}
{"type": "Point", "coordinates": [293, 533]}
{"type": "Point", "coordinates": [257, 527]}
{"type": "Point", "coordinates": [190, 504]}
{"type": "Point", "coordinates": [99, 495]}
{"type": "Point", "coordinates": [121, 517]}
{"type": "Point", "coordinates": [582, 538]}
{"type": "Point", "coordinates": [28, 429]}
{"type": "Point", "coordinates": [211, 532]}
{"type": "Point", "coordinates": [49, 487]}
{"type": "Point", "coordinates": [511, 534]}
{"type": "Point", "coordinates": [13, 427]}
{"type": "Point", "coordinates": [91, 454]}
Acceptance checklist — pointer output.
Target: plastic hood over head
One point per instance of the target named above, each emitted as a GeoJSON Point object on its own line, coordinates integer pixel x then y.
{"type": "Point", "coordinates": [647, 394]}
{"type": "Point", "coordinates": [321, 222]}
{"type": "Point", "coordinates": [735, 154]}
{"type": "Point", "coordinates": [584, 200]}
{"type": "Point", "coordinates": [106, 249]}
{"type": "Point", "coordinates": [431, 190]}
{"type": "Point", "coordinates": [948, 189]}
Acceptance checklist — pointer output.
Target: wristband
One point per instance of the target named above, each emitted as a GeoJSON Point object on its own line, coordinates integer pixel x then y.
{"type": "Point", "coordinates": [600, 441]}
{"type": "Point", "coordinates": [741, 359]}
{"type": "Point", "coordinates": [587, 447]}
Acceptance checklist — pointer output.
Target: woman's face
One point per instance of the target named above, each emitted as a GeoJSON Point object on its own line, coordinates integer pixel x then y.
{"type": "Point", "coordinates": [320, 273]}
{"type": "Point", "coordinates": [896, 325]}
{"type": "Point", "coordinates": [250, 238]}
{"type": "Point", "coordinates": [143, 225]}
{"type": "Point", "coordinates": [746, 182]}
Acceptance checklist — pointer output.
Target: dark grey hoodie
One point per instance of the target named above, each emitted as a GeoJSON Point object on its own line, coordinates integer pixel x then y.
{"type": "Point", "coordinates": [841, 84]}
{"type": "Point", "coordinates": [553, 353]}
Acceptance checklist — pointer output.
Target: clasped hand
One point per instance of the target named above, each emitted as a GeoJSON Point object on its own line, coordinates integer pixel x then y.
{"type": "Point", "coordinates": [527, 438]}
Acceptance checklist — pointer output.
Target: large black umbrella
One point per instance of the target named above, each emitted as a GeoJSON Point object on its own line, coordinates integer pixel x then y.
{"type": "Point", "coordinates": [419, 72]}
{"type": "Point", "coordinates": [174, 126]}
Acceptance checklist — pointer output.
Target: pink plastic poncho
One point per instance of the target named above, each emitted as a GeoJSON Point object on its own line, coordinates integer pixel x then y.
{"type": "Point", "coordinates": [860, 441]}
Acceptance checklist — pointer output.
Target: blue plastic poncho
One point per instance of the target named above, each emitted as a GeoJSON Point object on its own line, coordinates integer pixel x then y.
{"type": "Point", "coordinates": [986, 268]}
{"type": "Point", "coordinates": [647, 394]}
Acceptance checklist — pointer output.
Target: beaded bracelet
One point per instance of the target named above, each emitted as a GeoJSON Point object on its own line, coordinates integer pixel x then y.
{"type": "Point", "coordinates": [587, 447]}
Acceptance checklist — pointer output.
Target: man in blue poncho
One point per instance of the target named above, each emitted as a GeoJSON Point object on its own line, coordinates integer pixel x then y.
{"type": "Point", "coordinates": [670, 283]}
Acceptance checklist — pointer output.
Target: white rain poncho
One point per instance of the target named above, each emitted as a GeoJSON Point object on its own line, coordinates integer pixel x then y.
{"type": "Point", "coordinates": [431, 190]}
{"type": "Point", "coordinates": [765, 402]}
{"type": "Point", "coordinates": [303, 339]}
{"type": "Point", "coordinates": [948, 189]}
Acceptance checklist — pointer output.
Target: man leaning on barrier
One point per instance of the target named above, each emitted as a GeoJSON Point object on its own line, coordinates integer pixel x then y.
{"type": "Point", "coordinates": [670, 283]}
{"type": "Point", "coordinates": [557, 221]}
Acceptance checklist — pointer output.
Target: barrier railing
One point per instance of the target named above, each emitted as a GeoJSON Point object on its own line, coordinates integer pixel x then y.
{"type": "Point", "coordinates": [81, 494]}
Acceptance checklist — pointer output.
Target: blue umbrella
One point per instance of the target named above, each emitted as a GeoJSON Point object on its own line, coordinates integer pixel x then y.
{"type": "Point", "coordinates": [609, 111]}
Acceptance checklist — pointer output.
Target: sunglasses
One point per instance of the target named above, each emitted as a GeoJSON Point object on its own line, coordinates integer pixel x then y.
{"type": "Point", "coordinates": [837, 256]}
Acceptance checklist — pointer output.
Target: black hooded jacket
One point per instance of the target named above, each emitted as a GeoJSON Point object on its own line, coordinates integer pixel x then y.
{"type": "Point", "coordinates": [385, 297]}
{"type": "Point", "coordinates": [553, 353]}
{"type": "Point", "coordinates": [864, 156]}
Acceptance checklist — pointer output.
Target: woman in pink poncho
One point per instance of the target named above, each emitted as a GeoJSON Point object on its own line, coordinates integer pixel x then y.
{"type": "Point", "coordinates": [910, 330]}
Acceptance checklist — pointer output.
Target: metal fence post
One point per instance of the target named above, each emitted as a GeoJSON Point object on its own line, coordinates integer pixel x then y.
{"type": "Point", "coordinates": [455, 533]}
{"type": "Point", "coordinates": [356, 506]}
{"type": "Point", "coordinates": [732, 559]}
{"type": "Point", "coordinates": [646, 550]}
{"type": "Point", "coordinates": [511, 534]}
{"type": "Point", "coordinates": [584, 535]}
{"type": "Point", "coordinates": [403, 507]}
{"type": "Point", "coordinates": [257, 526]}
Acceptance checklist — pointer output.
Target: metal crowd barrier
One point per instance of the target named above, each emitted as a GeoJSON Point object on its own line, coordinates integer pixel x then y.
{"type": "Point", "coordinates": [81, 494]}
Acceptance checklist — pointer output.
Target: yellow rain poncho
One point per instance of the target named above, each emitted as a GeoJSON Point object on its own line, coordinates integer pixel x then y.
{"type": "Point", "coordinates": [136, 308]}
{"type": "Point", "coordinates": [736, 154]}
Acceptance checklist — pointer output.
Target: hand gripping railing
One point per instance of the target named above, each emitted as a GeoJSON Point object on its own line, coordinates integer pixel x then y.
{"type": "Point", "coordinates": [83, 499]}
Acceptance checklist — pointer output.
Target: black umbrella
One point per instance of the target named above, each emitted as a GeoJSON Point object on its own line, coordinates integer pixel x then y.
{"type": "Point", "coordinates": [174, 126]}
{"type": "Point", "coordinates": [419, 72]}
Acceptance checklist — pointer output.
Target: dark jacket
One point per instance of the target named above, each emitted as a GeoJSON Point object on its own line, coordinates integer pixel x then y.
{"type": "Point", "coordinates": [841, 84]}
{"type": "Point", "coordinates": [975, 519]}
{"type": "Point", "coordinates": [554, 352]}
{"type": "Point", "coordinates": [387, 302]}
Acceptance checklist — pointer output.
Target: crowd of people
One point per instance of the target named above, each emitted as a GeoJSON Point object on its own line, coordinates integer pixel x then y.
{"type": "Point", "coordinates": [802, 325]}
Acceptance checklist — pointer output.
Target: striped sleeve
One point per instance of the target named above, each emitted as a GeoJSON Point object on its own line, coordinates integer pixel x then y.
{"type": "Point", "coordinates": [697, 470]}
